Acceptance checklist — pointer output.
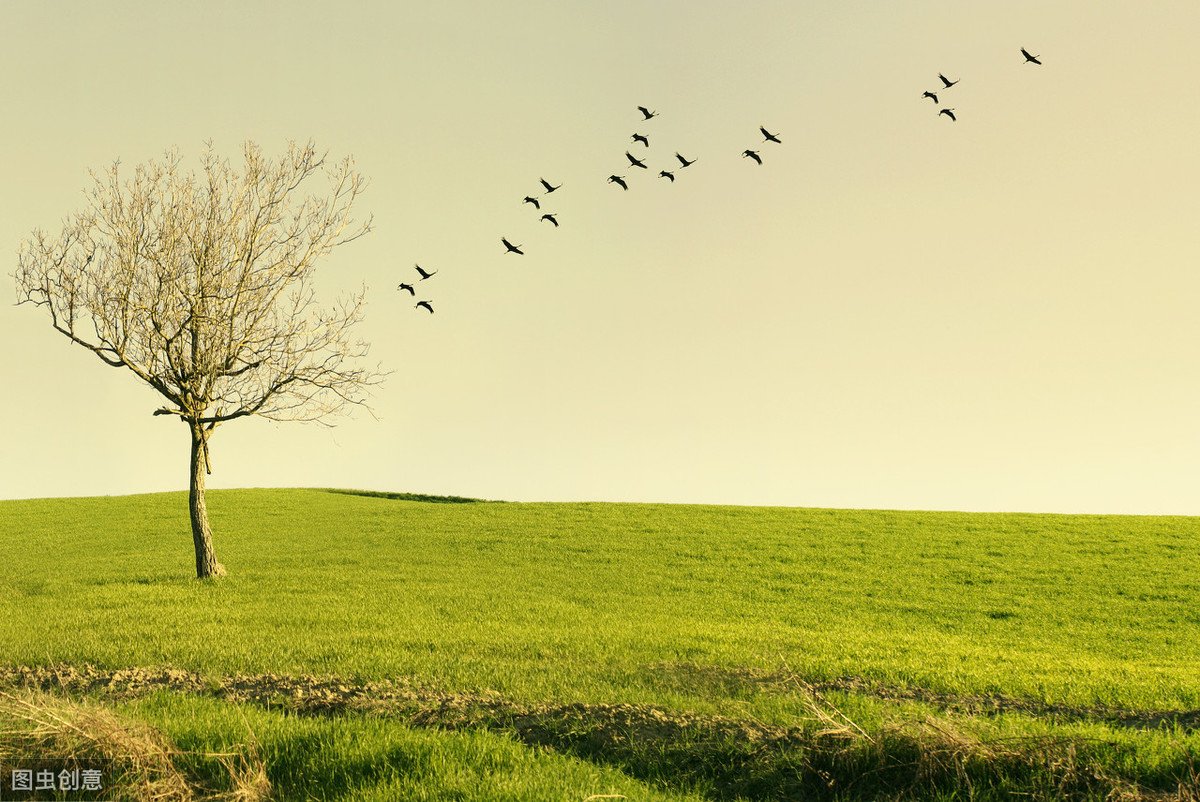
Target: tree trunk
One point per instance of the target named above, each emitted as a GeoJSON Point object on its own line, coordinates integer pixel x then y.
{"type": "Point", "coordinates": [206, 559]}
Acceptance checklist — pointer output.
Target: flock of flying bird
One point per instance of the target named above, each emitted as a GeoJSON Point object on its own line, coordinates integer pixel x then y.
{"type": "Point", "coordinates": [947, 83]}
{"type": "Point", "coordinates": [619, 180]}
{"type": "Point", "coordinates": [634, 161]}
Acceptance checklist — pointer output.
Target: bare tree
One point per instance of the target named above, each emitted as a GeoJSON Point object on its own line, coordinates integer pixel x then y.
{"type": "Point", "coordinates": [201, 285]}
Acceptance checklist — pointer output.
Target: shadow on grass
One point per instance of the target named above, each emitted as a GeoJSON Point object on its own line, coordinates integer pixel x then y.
{"type": "Point", "coordinates": [724, 759]}
{"type": "Point", "coordinates": [407, 496]}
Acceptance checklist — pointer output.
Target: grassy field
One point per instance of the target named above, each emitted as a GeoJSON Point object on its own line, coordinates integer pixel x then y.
{"type": "Point", "coordinates": [987, 643]}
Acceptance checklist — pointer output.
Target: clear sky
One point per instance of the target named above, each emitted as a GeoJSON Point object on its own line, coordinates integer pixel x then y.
{"type": "Point", "coordinates": [895, 310]}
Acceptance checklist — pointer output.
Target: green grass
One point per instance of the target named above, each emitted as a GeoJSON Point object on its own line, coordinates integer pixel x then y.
{"type": "Point", "coordinates": [367, 758]}
{"type": "Point", "coordinates": [606, 603]}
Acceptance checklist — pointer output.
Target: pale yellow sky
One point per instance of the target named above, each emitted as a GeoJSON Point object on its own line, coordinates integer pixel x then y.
{"type": "Point", "coordinates": [894, 310]}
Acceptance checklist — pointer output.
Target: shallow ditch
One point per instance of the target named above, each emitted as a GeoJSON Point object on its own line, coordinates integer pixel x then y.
{"type": "Point", "coordinates": [718, 756]}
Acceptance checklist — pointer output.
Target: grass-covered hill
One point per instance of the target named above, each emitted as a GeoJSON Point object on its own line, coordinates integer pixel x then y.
{"type": "Point", "coordinates": [665, 651]}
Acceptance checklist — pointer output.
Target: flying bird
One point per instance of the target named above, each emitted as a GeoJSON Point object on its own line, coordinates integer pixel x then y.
{"type": "Point", "coordinates": [533, 200]}
{"type": "Point", "coordinates": [949, 113]}
{"type": "Point", "coordinates": [931, 96]}
{"type": "Point", "coordinates": [616, 179]}
{"type": "Point", "coordinates": [642, 139]}
{"type": "Point", "coordinates": [684, 161]}
{"type": "Point", "coordinates": [546, 184]}
{"type": "Point", "coordinates": [512, 248]}
{"type": "Point", "coordinates": [1029, 58]}
{"type": "Point", "coordinates": [753, 154]}
{"type": "Point", "coordinates": [947, 81]}
{"type": "Point", "coordinates": [551, 218]}
{"type": "Point", "coordinates": [769, 136]}
{"type": "Point", "coordinates": [666, 174]}
{"type": "Point", "coordinates": [646, 113]}
{"type": "Point", "coordinates": [408, 287]}
{"type": "Point", "coordinates": [634, 162]}
{"type": "Point", "coordinates": [424, 275]}
{"type": "Point", "coordinates": [425, 304]}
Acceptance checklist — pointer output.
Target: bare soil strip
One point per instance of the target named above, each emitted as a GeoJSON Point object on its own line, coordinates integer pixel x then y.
{"type": "Point", "coordinates": [422, 707]}
{"type": "Point", "coordinates": [313, 694]}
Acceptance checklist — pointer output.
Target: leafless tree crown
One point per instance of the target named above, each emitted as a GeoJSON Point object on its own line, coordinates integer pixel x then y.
{"type": "Point", "coordinates": [201, 284]}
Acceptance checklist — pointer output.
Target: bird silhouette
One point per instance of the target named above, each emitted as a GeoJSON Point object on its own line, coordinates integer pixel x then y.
{"type": "Point", "coordinates": [646, 113]}
{"type": "Point", "coordinates": [633, 161]}
{"type": "Point", "coordinates": [408, 287]}
{"type": "Point", "coordinates": [533, 200]}
{"type": "Point", "coordinates": [1029, 58]}
{"type": "Point", "coordinates": [769, 136]}
{"type": "Point", "coordinates": [546, 184]}
{"type": "Point", "coordinates": [753, 154]}
{"type": "Point", "coordinates": [684, 161]}
{"type": "Point", "coordinates": [666, 174]}
{"type": "Point", "coordinates": [512, 248]}
{"type": "Point", "coordinates": [642, 139]}
{"type": "Point", "coordinates": [931, 96]}
{"type": "Point", "coordinates": [618, 180]}
{"type": "Point", "coordinates": [425, 304]}
{"type": "Point", "coordinates": [424, 275]}
{"type": "Point", "coordinates": [551, 218]}
{"type": "Point", "coordinates": [949, 113]}
{"type": "Point", "coordinates": [947, 81]}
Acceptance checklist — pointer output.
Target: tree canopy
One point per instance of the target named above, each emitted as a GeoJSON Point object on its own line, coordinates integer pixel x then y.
{"type": "Point", "coordinates": [200, 283]}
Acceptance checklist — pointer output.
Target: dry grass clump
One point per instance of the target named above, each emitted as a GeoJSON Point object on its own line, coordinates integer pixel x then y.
{"type": "Point", "coordinates": [139, 759]}
{"type": "Point", "coordinates": [939, 752]}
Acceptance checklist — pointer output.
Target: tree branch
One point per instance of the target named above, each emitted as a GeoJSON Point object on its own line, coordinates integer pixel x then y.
{"type": "Point", "coordinates": [202, 285]}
